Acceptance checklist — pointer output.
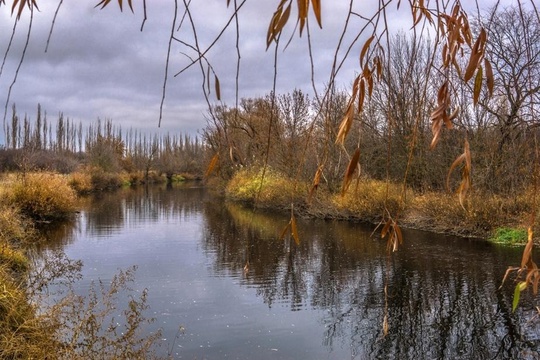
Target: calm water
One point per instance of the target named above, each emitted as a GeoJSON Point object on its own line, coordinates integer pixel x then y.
{"type": "Point", "coordinates": [323, 299]}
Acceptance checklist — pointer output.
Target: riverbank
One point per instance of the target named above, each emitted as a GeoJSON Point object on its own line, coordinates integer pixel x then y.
{"type": "Point", "coordinates": [73, 326]}
{"type": "Point", "coordinates": [32, 198]}
{"type": "Point", "coordinates": [480, 216]}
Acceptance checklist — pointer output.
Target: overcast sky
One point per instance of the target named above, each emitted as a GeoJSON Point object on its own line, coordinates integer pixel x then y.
{"type": "Point", "coordinates": [100, 65]}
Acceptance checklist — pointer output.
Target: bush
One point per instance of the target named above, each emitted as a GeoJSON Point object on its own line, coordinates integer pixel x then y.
{"type": "Point", "coordinates": [367, 200]}
{"type": "Point", "coordinates": [105, 181]}
{"type": "Point", "coordinates": [44, 196]}
{"type": "Point", "coordinates": [509, 236]}
{"type": "Point", "coordinates": [81, 182]}
{"type": "Point", "coordinates": [274, 191]}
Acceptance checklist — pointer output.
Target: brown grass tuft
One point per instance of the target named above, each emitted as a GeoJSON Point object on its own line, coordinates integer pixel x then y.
{"type": "Point", "coordinates": [44, 196]}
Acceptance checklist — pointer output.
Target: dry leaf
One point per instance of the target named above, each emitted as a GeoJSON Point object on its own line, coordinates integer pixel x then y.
{"type": "Point", "coordinates": [490, 81]}
{"type": "Point", "coordinates": [218, 89]}
{"type": "Point", "coordinates": [317, 11]}
{"type": "Point", "coordinates": [351, 168]}
{"type": "Point", "coordinates": [477, 86]}
{"type": "Point", "coordinates": [212, 165]}
{"type": "Point", "coordinates": [365, 49]}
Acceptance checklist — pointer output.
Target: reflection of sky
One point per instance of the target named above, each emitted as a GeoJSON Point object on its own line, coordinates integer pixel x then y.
{"type": "Point", "coordinates": [322, 299]}
{"type": "Point", "coordinates": [219, 315]}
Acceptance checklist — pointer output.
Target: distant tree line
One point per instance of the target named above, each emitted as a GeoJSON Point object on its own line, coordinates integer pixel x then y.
{"type": "Point", "coordinates": [63, 145]}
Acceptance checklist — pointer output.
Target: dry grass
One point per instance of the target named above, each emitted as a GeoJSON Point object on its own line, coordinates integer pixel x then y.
{"type": "Point", "coordinates": [43, 196]}
{"type": "Point", "coordinates": [81, 182]}
{"type": "Point", "coordinates": [480, 216]}
{"type": "Point", "coordinates": [273, 191]}
{"type": "Point", "coordinates": [367, 200]}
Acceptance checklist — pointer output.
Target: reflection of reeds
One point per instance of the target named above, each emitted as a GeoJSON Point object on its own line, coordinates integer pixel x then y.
{"type": "Point", "coordinates": [267, 225]}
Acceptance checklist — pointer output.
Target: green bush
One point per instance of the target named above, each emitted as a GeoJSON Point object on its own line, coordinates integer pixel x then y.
{"type": "Point", "coordinates": [509, 236]}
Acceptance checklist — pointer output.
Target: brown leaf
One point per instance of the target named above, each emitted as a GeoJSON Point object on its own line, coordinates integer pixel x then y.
{"type": "Point", "coordinates": [303, 6]}
{"type": "Point", "coordinates": [365, 49]}
{"type": "Point", "coordinates": [346, 123]}
{"type": "Point", "coordinates": [22, 3]}
{"type": "Point", "coordinates": [351, 168]}
{"type": "Point", "coordinates": [527, 252]}
{"type": "Point", "coordinates": [465, 184]}
{"type": "Point", "coordinates": [477, 53]}
{"type": "Point", "coordinates": [278, 21]}
{"type": "Point", "coordinates": [316, 181]}
{"type": "Point", "coordinates": [212, 165]}
{"type": "Point", "coordinates": [218, 89]}
{"type": "Point", "coordinates": [385, 228]}
{"type": "Point", "coordinates": [361, 95]}
{"type": "Point", "coordinates": [490, 81]}
{"type": "Point", "coordinates": [317, 11]}
{"type": "Point", "coordinates": [285, 230]}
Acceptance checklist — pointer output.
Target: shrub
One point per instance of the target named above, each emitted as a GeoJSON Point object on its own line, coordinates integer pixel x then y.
{"type": "Point", "coordinates": [274, 191]}
{"type": "Point", "coordinates": [509, 236]}
{"type": "Point", "coordinates": [81, 182]}
{"type": "Point", "coordinates": [367, 200]}
{"type": "Point", "coordinates": [44, 196]}
{"type": "Point", "coordinates": [105, 181]}
{"type": "Point", "coordinates": [22, 334]}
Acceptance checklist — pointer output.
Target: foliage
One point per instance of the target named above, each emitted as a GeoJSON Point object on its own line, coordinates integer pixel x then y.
{"type": "Point", "coordinates": [81, 182]}
{"type": "Point", "coordinates": [368, 199]}
{"type": "Point", "coordinates": [89, 327]}
{"type": "Point", "coordinates": [509, 236]}
{"type": "Point", "coordinates": [273, 190]}
{"type": "Point", "coordinates": [44, 196]}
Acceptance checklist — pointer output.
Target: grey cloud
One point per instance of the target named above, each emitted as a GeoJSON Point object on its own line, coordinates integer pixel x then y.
{"type": "Point", "coordinates": [99, 64]}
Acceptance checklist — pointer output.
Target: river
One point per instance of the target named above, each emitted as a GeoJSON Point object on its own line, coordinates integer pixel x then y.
{"type": "Point", "coordinates": [321, 299]}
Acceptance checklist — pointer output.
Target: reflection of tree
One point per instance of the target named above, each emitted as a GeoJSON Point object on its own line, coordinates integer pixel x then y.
{"type": "Point", "coordinates": [126, 208]}
{"type": "Point", "coordinates": [442, 303]}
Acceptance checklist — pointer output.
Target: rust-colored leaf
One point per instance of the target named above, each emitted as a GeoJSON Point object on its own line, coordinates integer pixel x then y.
{"type": "Point", "coordinates": [527, 252]}
{"type": "Point", "coordinates": [303, 6]}
{"type": "Point", "coordinates": [316, 181]}
{"type": "Point", "coordinates": [477, 86]}
{"type": "Point", "coordinates": [386, 228]}
{"type": "Point", "coordinates": [361, 95]}
{"type": "Point", "coordinates": [465, 184]}
{"type": "Point", "coordinates": [283, 19]}
{"type": "Point", "coordinates": [218, 89]}
{"type": "Point", "coordinates": [477, 53]}
{"type": "Point", "coordinates": [351, 168]}
{"type": "Point", "coordinates": [22, 3]}
{"type": "Point", "coordinates": [346, 123]}
{"type": "Point", "coordinates": [285, 230]}
{"type": "Point", "coordinates": [316, 4]}
{"type": "Point", "coordinates": [278, 21]}
{"type": "Point", "coordinates": [490, 81]}
{"type": "Point", "coordinates": [365, 49]}
{"type": "Point", "coordinates": [212, 165]}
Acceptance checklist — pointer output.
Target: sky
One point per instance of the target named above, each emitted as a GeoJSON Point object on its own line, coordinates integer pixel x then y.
{"type": "Point", "coordinates": [99, 64]}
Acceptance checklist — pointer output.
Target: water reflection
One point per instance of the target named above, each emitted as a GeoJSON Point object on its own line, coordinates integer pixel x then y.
{"type": "Point", "coordinates": [443, 297]}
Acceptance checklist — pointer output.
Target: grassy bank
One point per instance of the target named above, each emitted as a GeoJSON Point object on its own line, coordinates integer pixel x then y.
{"type": "Point", "coordinates": [370, 200]}
{"type": "Point", "coordinates": [73, 326]}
